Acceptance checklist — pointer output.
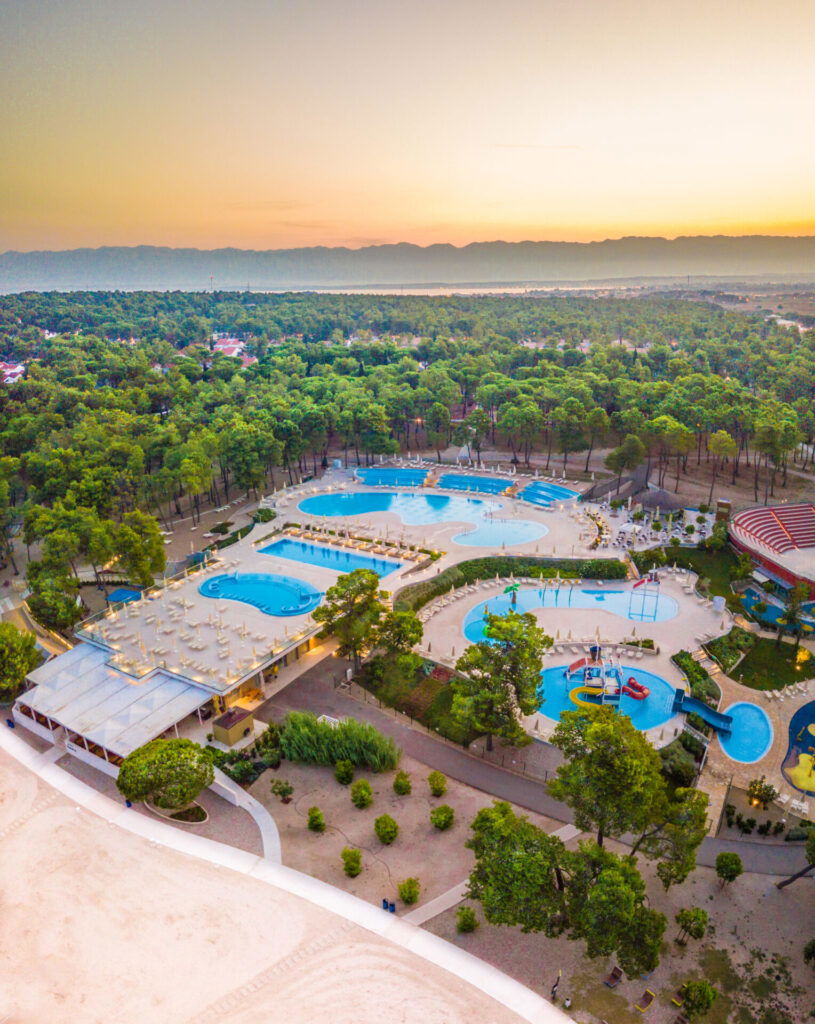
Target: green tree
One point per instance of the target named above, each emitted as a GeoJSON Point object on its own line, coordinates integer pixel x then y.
{"type": "Point", "coordinates": [316, 819]}
{"type": "Point", "coordinates": [721, 446]}
{"type": "Point", "coordinates": [792, 619]}
{"type": "Point", "coordinates": [442, 817]}
{"type": "Point", "coordinates": [362, 795]}
{"type": "Point", "coordinates": [169, 773]}
{"type": "Point", "coordinates": [500, 676]}
{"type": "Point", "coordinates": [399, 632]}
{"type": "Point", "coordinates": [728, 867]}
{"type": "Point", "coordinates": [626, 457]}
{"type": "Point", "coordinates": [18, 657]}
{"type": "Point", "coordinates": [351, 861]}
{"type": "Point", "coordinates": [526, 877]}
{"type": "Point", "coordinates": [698, 998]}
{"type": "Point", "coordinates": [351, 612]}
{"type": "Point", "coordinates": [692, 923]}
{"type": "Point", "coordinates": [437, 424]}
{"type": "Point", "coordinates": [437, 783]}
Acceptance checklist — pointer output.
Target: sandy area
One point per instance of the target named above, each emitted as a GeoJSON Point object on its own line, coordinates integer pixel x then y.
{"type": "Point", "coordinates": [438, 859]}
{"type": "Point", "coordinates": [100, 925]}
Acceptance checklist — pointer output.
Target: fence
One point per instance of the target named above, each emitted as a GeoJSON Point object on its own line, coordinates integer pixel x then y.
{"type": "Point", "coordinates": [510, 760]}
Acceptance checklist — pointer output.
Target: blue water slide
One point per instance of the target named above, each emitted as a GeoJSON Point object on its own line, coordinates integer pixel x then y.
{"type": "Point", "coordinates": [720, 722]}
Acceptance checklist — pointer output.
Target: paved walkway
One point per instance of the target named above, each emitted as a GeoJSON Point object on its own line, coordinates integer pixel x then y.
{"type": "Point", "coordinates": [483, 976]}
{"type": "Point", "coordinates": [269, 834]}
{"type": "Point", "coordinates": [314, 691]}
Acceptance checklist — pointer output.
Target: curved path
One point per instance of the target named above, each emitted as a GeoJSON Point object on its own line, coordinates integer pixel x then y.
{"type": "Point", "coordinates": [269, 834]}
{"type": "Point", "coordinates": [314, 691]}
{"type": "Point", "coordinates": [525, 1004]}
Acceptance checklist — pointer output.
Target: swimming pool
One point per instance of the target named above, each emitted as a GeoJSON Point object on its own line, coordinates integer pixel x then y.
{"type": "Point", "coordinates": [329, 558]}
{"type": "Point", "coordinates": [751, 734]}
{"type": "Point", "coordinates": [798, 767]}
{"type": "Point", "coordinates": [390, 477]}
{"type": "Point", "coordinates": [428, 510]}
{"type": "Point", "coordinates": [269, 593]}
{"type": "Point", "coordinates": [617, 600]}
{"type": "Point", "coordinates": [542, 493]}
{"type": "Point", "coordinates": [654, 710]}
{"type": "Point", "coordinates": [470, 482]}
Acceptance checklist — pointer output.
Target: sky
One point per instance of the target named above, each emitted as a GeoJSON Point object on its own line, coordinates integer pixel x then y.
{"type": "Point", "coordinates": [280, 123]}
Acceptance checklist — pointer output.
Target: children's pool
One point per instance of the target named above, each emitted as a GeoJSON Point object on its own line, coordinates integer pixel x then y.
{"type": "Point", "coordinates": [271, 594]}
{"type": "Point", "coordinates": [799, 762]}
{"type": "Point", "coordinates": [654, 710]}
{"type": "Point", "coordinates": [620, 601]}
{"type": "Point", "coordinates": [428, 510]}
{"type": "Point", "coordinates": [751, 736]}
{"type": "Point", "coordinates": [337, 559]}
{"type": "Point", "coordinates": [542, 493]}
{"type": "Point", "coordinates": [389, 477]}
{"type": "Point", "coordinates": [775, 611]}
{"type": "Point", "coordinates": [470, 482]}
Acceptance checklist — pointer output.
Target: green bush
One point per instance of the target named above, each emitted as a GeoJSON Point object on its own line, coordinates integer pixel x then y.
{"type": "Point", "coordinates": [701, 685]}
{"type": "Point", "coordinates": [401, 784]}
{"type": "Point", "coordinates": [344, 772]}
{"type": "Point", "coordinates": [409, 891]}
{"type": "Point", "coordinates": [351, 861]}
{"type": "Point", "coordinates": [797, 834]}
{"type": "Point", "coordinates": [264, 515]}
{"type": "Point", "coordinates": [316, 819]}
{"type": "Point", "coordinates": [466, 921]}
{"type": "Point", "coordinates": [362, 795]}
{"type": "Point", "coordinates": [416, 595]}
{"type": "Point", "coordinates": [386, 829]}
{"type": "Point", "coordinates": [693, 746]}
{"type": "Point", "coordinates": [282, 789]}
{"type": "Point", "coordinates": [437, 783]}
{"type": "Point", "coordinates": [273, 758]}
{"type": "Point", "coordinates": [678, 766]}
{"type": "Point", "coordinates": [727, 650]}
{"type": "Point", "coordinates": [442, 817]}
{"type": "Point", "coordinates": [309, 741]}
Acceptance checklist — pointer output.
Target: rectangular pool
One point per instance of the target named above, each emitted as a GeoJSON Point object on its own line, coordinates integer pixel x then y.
{"type": "Point", "coordinates": [385, 476]}
{"type": "Point", "coordinates": [542, 493]}
{"type": "Point", "coordinates": [471, 482]}
{"type": "Point", "coordinates": [338, 559]}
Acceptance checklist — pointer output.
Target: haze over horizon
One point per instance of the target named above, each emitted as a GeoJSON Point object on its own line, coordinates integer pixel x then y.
{"type": "Point", "coordinates": [265, 126]}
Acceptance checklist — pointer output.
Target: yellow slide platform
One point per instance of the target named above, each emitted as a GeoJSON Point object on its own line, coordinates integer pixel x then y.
{"type": "Point", "coordinates": [574, 696]}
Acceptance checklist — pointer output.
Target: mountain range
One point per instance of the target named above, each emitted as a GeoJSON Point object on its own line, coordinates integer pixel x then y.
{"type": "Point", "coordinates": [403, 265]}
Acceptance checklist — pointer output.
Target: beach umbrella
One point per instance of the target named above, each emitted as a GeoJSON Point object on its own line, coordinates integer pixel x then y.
{"type": "Point", "coordinates": [569, 635]}
{"type": "Point", "coordinates": [557, 635]}
{"type": "Point", "coordinates": [453, 653]}
{"type": "Point", "coordinates": [633, 631]}
{"type": "Point", "coordinates": [429, 647]}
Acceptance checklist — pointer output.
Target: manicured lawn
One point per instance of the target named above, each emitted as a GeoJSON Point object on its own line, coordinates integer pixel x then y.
{"type": "Point", "coordinates": [716, 566]}
{"type": "Point", "coordinates": [767, 667]}
{"type": "Point", "coordinates": [427, 698]}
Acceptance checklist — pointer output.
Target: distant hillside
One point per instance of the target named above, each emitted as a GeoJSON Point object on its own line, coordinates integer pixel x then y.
{"type": "Point", "coordinates": [482, 263]}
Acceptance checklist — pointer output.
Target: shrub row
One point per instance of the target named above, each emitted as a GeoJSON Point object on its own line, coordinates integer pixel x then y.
{"type": "Point", "coordinates": [305, 739]}
{"type": "Point", "coordinates": [416, 595]}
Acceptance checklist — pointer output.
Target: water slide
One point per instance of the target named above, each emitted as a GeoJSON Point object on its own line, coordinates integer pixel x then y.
{"type": "Point", "coordinates": [635, 689]}
{"type": "Point", "coordinates": [720, 722]}
{"type": "Point", "coordinates": [581, 663]}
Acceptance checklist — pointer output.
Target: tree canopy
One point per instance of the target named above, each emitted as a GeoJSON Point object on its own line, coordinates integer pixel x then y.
{"type": "Point", "coordinates": [170, 773]}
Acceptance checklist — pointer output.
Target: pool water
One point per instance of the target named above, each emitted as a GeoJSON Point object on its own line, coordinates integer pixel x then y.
{"type": "Point", "coordinates": [271, 594]}
{"type": "Point", "coordinates": [654, 710]}
{"type": "Point", "coordinates": [798, 767]}
{"type": "Point", "coordinates": [620, 601]}
{"type": "Point", "coordinates": [774, 611]}
{"type": "Point", "coordinates": [428, 510]}
{"type": "Point", "coordinates": [542, 493]}
{"type": "Point", "coordinates": [389, 477]}
{"type": "Point", "coordinates": [751, 734]}
{"type": "Point", "coordinates": [329, 558]}
{"type": "Point", "coordinates": [470, 482]}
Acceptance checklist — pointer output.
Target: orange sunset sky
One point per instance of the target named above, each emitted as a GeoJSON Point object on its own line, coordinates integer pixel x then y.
{"type": "Point", "coordinates": [276, 123]}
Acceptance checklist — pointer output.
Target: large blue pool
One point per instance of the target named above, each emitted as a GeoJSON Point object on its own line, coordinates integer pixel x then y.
{"type": "Point", "coordinates": [616, 599]}
{"type": "Point", "coordinates": [542, 493]}
{"type": "Point", "coordinates": [752, 733]}
{"type": "Point", "coordinates": [390, 477]}
{"type": "Point", "coordinates": [429, 509]}
{"type": "Point", "coordinates": [274, 595]}
{"type": "Point", "coordinates": [471, 482]}
{"type": "Point", "coordinates": [654, 710]}
{"type": "Point", "coordinates": [329, 558]}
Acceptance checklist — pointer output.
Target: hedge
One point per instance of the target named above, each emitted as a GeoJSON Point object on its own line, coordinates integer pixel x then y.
{"type": "Point", "coordinates": [303, 738]}
{"type": "Point", "coordinates": [415, 595]}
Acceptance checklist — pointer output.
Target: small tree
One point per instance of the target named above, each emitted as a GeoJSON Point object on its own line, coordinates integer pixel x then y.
{"type": "Point", "coordinates": [362, 795]}
{"type": "Point", "coordinates": [351, 612]}
{"type": "Point", "coordinates": [466, 920]}
{"type": "Point", "coordinates": [728, 867]}
{"type": "Point", "coordinates": [761, 792]}
{"type": "Point", "coordinates": [692, 923]}
{"type": "Point", "coordinates": [409, 890]}
{"type": "Point", "coordinates": [442, 817]}
{"type": "Point", "coordinates": [316, 819]}
{"type": "Point", "coordinates": [18, 656]}
{"type": "Point", "coordinates": [344, 772]}
{"type": "Point", "coordinates": [401, 784]}
{"type": "Point", "coordinates": [697, 998]}
{"type": "Point", "coordinates": [351, 861]}
{"type": "Point", "coordinates": [437, 783]}
{"type": "Point", "coordinates": [283, 790]}
{"type": "Point", "coordinates": [170, 773]}
{"type": "Point", "coordinates": [386, 829]}
{"type": "Point", "coordinates": [809, 953]}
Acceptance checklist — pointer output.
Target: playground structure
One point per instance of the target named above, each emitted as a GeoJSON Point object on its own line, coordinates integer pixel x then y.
{"type": "Point", "coordinates": [602, 680]}
{"type": "Point", "coordinates": [721, 723]}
